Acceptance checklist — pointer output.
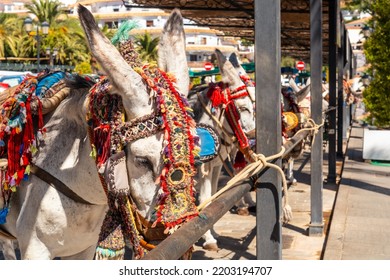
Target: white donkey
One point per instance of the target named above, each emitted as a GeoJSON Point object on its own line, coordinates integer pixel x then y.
{"type": "Point", "coordinates": [48, 223]}
{"type": "Point", "coordinates": [210, 108]}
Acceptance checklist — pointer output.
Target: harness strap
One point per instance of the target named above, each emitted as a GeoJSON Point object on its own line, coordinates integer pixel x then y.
{"type": "Point", "coordinates": [6, 234]}
{"type": "Point", "coordinates": [57, 184]}
{"type": "Point", "coordinates": [138, 128]}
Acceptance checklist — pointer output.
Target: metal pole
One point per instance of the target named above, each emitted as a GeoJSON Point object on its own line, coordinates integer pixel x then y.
{"type": "Point", "coordinates": [351, 75]}
{"type": "Point", "coordinates": [332, 90]}
{"type": "Point", "coordinates": [316, 226]}
{"type": "Point", "coordinates": [38, 37]}
{"type": "Point", "coordinates": [340, 92]}
{"type": "Point", "coordinates": [268, 127]}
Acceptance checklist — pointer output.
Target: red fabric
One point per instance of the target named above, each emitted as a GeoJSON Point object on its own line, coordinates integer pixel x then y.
{"type": "Point", "coordinates": [215, 94]}
{"type": "Point", "coordinates": [239, 161]}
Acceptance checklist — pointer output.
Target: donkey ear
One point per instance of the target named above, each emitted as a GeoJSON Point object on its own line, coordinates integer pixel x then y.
{"type": "Point", "coordinates": [229, 73]}
{"type": "Point", "coordinates": [234, 60]}
{"type": "Point", "coordinates": [293, 85]}
{"type": "Point", "coordinates": [303, 93]}
{"type": "Point", "coordinates": [123, 77]}
{"type": "Point", "coordinates": [237, 64]}
{"type": "Point", "coordinates": [172, 51]}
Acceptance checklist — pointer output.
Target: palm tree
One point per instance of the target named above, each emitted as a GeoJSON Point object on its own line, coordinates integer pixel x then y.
{"type": "Point", "coordinates": [45, 10]}
{"type": "Point", "coordinates": [65, 34]}
{"type": "Point", "coordinates": [147, 47]}
{"type": "Point", "coordinates": [68, 37]}
{"type": "Point", "coordinates": [8, 25]}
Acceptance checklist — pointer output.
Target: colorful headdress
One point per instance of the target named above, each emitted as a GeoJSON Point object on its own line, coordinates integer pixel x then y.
{"type": "Point", "coordinates": [176, 202]}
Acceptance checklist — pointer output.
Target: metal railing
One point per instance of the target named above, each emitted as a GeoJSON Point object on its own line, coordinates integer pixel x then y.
{"type": "Point", "coordinates": [31, 67]}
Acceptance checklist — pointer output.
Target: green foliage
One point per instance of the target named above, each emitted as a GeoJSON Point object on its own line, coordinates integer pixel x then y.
{"type": "Point", "coordinates": [377, 51]}
{"type": "Point", "coordinates": [196, 81]}
{"type": "Point", "coordinates": [83, 68]}
{"type": "Point", "coordinates": [288, 61]}
{"type": "Point", "coordinates": [45, 10]}
{"type": "Point", "coordinates": [360, 5]}
{"type": "Point", "coordinates": [146, 46]}
{"type": "Point", "coordinates": [65, 35]}
{"type": "Point", "coordinates": [246, 42]}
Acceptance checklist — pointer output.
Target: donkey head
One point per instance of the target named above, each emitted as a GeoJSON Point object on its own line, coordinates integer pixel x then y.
{"type": "Point", "coordinates": [250, 85]}
{"type": "Point", "coordinates": [147, 163]}
{"type": "Point", "coordinates": [243, 103]}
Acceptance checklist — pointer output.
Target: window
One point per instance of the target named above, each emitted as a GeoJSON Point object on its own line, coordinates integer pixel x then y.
{"type": "Point", "coordinates": [112, 24]}
{"type": "Point", "coordinates": [203, 41]}
{"type": "Point", "coordinates": [149, 23]}
{"type": "Point", "coordinates": [193, 57]}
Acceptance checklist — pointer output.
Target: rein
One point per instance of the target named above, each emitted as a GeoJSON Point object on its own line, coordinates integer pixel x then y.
{"type": "Point", "coordinates": [58, 184]}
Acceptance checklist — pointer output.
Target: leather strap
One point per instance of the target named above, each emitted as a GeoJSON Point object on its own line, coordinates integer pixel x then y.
{"type": "Point", "coordinates": [6, 234]}
{"type": "Point", "coordinates": [57, 184]}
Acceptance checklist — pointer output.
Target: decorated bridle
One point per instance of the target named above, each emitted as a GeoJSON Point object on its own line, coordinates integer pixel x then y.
{"type": "Point", "coordinates": [248, 82]}
{"type": "Point", "coordinates": [221, 96]}
{"type": "Point", "coordinates": [109, 135]}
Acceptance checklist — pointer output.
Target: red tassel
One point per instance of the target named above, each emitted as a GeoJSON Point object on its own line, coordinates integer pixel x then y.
{"type": "Point", "coordinates": [239, 161]}
{"type": "Point", "coordinates": [40, 117]}
{"type": "Point", "coordinates": [102, 143]}
{"type": "Point", "coordinates": [215, 95]}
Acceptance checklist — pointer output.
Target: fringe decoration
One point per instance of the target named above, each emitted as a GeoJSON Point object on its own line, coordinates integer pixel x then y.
{"type": "Point", "coordinates": [216, 95]}
{"type": "Point", "coordinates": [176, 202]}
{"type": "Point", "coordinates": [111, 243]}
{"type": "Point", "coordinates": [17, 138]}
{"type": "Point", "coordinates": [122, 34]}
{"type": "Point", "coordinates": [221, 96]}
{"type": "Point", "coordinates": [17, 130]}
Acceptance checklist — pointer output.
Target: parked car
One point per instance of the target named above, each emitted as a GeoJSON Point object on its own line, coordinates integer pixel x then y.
{"type": "Point", "coordinates": [12, 80]}
{"type": "Point", "coordinates": [3, 86]}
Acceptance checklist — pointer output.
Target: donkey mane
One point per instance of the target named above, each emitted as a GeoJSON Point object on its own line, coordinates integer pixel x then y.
{"type": "Point", "coordinates": [79, 82]}
{"type": "Point", "coordinates": [195, 102]}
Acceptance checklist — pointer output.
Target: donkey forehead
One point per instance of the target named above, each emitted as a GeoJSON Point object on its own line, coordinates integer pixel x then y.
{"type": "Point", "coordinates": [149, 147]}
{"type": "Point", "coordinates": [243, 101]}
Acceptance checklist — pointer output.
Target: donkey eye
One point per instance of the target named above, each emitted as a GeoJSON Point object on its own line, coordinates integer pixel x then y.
{"type": "Point", "coordinates": [243, 109]}
{"type": "Point", "coordinates": [143, 162]}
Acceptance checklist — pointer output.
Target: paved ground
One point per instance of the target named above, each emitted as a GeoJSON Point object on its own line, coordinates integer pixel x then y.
{"type": "Point", "coordinates": [360, 226]}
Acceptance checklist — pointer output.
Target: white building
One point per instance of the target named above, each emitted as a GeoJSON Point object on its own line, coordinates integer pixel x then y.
{"type": "Point", "coordinates": [356, 38]}
{"type": "Point", "coordinates": [201, 42]}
